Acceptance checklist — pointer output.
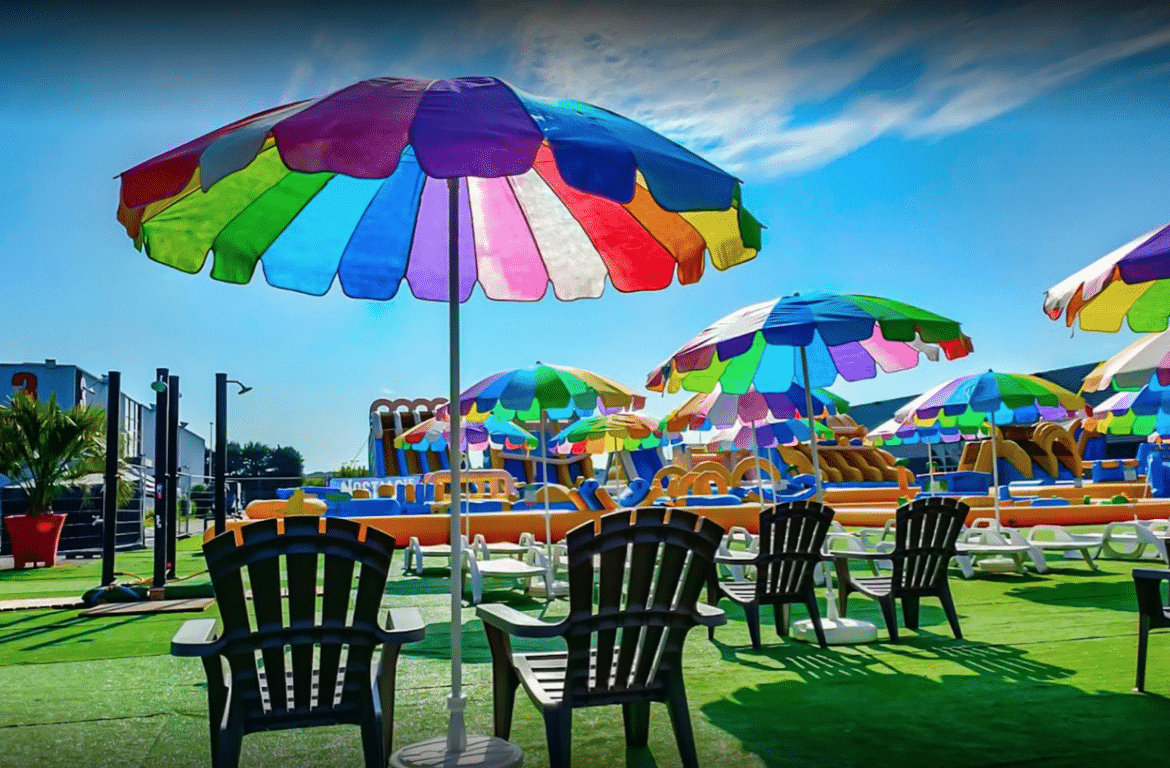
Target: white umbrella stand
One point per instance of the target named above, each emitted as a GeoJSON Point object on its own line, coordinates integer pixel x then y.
{"type": "Point", "coordinates": [457, 748]}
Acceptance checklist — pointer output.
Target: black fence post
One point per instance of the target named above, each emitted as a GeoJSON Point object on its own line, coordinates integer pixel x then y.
{"type": "Point", "coordinates": [219, 458]}
{"type": "Point", "coordinates": [172, 472]}
{"type": "Point", "coordinates": [160, 478]}
{"type": "Point", "coordinates": [110, 497]}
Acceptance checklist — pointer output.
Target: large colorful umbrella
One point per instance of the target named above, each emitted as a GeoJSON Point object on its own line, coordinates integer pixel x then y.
{"type": "Point", "coordinates": [1128, 283]}
{"type": "Point", "coordinates": [811, 338]}
{"type": "Point", "coordinates": [608, 433]}
{"type": "Point", "coordinates": [443, 184]}
{"type": "Point", "coordinates": [434, 434]}
{"type": "Point", "coordinates": [1000, 398]}
{"type": "Point", "coordinates": [1144, 412]}
{"type": "Point", "coordinates": [1132, 367]}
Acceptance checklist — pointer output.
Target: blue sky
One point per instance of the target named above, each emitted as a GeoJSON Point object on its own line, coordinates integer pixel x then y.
{"type": "Point", "coordinates": [959, 157]}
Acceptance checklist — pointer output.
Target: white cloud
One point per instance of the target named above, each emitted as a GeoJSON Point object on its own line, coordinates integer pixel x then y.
{"type": "Point", "coordinates": [775, 89]}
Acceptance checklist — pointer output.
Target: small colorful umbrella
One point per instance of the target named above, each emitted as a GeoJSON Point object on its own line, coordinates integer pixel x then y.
{"type": "Point", "coordinates": [442, 184]}
{"type": "Point", "coordinates": [1144, 412]}
{"type": "Point", "coordinates": [557, 391]}
{"type": "Point", "coordinates": [608, 433]}
{"type": "Point", "coordinates": [435, 434]}
{"type": "Point", "coordinates": [718, 409]}
{"type": "Point", "coordinates": [539, 391]}
{"type": "Point", "coordinates": [1001, 398]}
{"type": "Point", "coordinates": [812, 338]}
{"type": "Point", "coordinates": [893, 433]}
{"type": "Point", "coordinates": [1128, 283]}
{"type": "Point", "coordinates": [767, 434]}
{"type": "Point", "coordinates": [1133, 366]}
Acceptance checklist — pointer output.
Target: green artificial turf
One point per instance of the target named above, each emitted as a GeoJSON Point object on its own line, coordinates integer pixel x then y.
{"type": "Point", "coordinates": [1042, 678]}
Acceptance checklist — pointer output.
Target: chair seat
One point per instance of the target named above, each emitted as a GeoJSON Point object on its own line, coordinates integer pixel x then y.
{"type": "Point", "coordinates": [739, 591]}
{"type": "Point", "coordinates": [873, 585]}
{"type": "Point", "coordinates": [543, 675]}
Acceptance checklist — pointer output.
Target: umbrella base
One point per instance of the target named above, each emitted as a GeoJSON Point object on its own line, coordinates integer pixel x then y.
{"type": "Point", "coordinates": [486, 751]}
{"type": "Point", "coordinates": [837, 631]}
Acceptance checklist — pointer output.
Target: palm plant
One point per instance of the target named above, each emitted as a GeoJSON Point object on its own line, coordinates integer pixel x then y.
{"type": "Point", "coordinates": [45, 447]}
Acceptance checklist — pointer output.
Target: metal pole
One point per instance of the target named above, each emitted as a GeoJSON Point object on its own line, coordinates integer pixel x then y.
{"type": "Point", "coordinates": [995, 468]}
{"type": "Point", "coordinates": [457, 700]}
{"type": "Point", "coordinates": [172, 472]}
{"type": "Point", "coordinates": [110, 499]}
{"type": "Point", "coordinates": [219, 457]}
{"type": "Point", "coordinates": [160, 479]}
{"type": "Point", "coordinates": [812, 430]}
{"type": "Point", "coordinates": [759, 477]}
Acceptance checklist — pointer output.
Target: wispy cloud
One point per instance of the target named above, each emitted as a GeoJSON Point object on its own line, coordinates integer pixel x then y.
{"type": "Point", "coordinates": [778, 90]}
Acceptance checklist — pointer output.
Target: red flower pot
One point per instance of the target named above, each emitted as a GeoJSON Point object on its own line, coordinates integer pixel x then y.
{"type": "Point", "coordinates": [34, 538]}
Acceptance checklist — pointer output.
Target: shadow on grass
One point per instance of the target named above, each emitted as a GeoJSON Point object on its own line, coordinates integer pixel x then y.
{"type": "Point", "coordinates": [1116, 596]}
{"type": "Point", "coordinates": [87, 626]}
{"type": "Point", "coordinates": [848, 712]}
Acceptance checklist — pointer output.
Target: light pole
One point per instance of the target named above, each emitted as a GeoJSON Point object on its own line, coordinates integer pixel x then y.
{"type": "Point", "coordinates": [220, 458]}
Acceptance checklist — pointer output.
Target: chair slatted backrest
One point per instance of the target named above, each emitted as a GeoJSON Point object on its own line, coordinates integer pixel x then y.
{"type": "Point", "coordinates": [925, 532]}
{"type": "Point", "coordinates": [637, 641]}
{"type": "Point", "coordinates": [791, 537]}
{"type": "Point", "coordinates": [283, 628]}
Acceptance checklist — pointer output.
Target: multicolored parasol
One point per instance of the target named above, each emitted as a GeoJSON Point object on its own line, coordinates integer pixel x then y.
{"type": "Point", "coordinates": [1144, 412]}
{"type": "Point", "coordinates": [1000, 398]}
{"type": "Point", "coordinates": [608, 433]}
{"type": "Point", "coordinates": [558, 391]}
{"type": "Point", "coordinates": [766, 434]}
{"type": "Point", "coordinates": [434, 434]}
{"type": "Point", "coordinates": [444, 184]}
{"type": "Point", "coordinates": [1132, 367]}
{"type": "Point", "coordinates": [718, 409]}
{"type": "Point", "coordinates": [813, 339]}
{"type": "Point", "coordinates": [1127, 284]}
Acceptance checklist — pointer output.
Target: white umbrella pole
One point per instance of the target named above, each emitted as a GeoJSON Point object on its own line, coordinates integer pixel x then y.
{"type": "Point", "coordinates": [812, 430]}
{"type": "Point", "coordinates": [548, 544]}
{"type": "Point", "coordinates": [930, 466]}
{"type": "Point", "coordinates": [457, 700]}
{"type": "Point", "coordinates": [995, 470]}
{"type": "Point", "coordinates": [759, 478]}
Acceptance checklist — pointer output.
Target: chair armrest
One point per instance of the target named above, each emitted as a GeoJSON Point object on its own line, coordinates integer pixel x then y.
{"type": "Point", "coordinates": [516, 623]}
{"type": "Point", "coordinates": [403, 625]}
{"type": "Point", "coordinates": [196, 638]}
{"type": "Point", "coordinates": [852, 554]}
{"type": "Point", "coordinates": [709, 615]}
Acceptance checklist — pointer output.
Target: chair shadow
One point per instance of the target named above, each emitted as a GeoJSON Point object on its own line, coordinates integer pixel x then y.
{"type": "Point", "coordinates": [1002, 662]}
{"type": "Point", "coordinates": [849, 712]}
{"type": "Point", "coordinates": [1116, 596]}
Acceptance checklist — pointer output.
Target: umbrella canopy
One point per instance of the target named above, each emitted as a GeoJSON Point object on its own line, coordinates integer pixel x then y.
{"type": "Point", "coordinates": [718, 409]}
{"type": "Point", "coordinates": [434, 434]}
{"type": "Point", "coordinates": [1127, 284]}
{"type": "Point", "coordinates": [1004, 398]}
{"type": "Point", "coordinates": [843, 334]}
{"type": "Point", "coordinates": [768, 434]}
{"type": "Point", "coordinates": [556, 390]}
{"type": "Point", "coordinates": [443, 184]}
{"type": "Point", "coordinates": [1133, 366]}
{"type": "Point", "coordinates": [351, 186]}
{"type": "Point", "coordinates": [1144, 412]}
{"type": "Point", "coordinates": [894, 432]}
{"type": "Point", "coordinates": [608, 433]}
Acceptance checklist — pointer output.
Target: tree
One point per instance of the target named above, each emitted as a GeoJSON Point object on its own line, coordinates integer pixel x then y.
{"type": "Point", "coordinates": [262, 469]}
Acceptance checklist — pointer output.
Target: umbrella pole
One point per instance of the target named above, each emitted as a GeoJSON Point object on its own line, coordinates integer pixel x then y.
{"type": "Point", "coordinates": [995, 471]}
{"type": "Point", "coordinates": [456, 700]}
{"type": "Point", "coordinates": [812, 430]}
{"type": "Point", "coordinates": [929, 466]}
{"type": "Point", "coordinates": [548, 544]}
{"type": "Point", "coordinates": [759, 477]}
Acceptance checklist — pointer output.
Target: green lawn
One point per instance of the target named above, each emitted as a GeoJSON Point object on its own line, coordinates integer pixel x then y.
{"type": "Point", "coordinates": [1043, 678]}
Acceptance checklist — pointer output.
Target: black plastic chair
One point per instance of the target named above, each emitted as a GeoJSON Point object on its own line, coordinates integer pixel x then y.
{"type": "Point", "coordinates": [925, 532]}
{"type": "Point", "coordinates": [1153, 613]}
{"type": "Point", "coordinates": [328, 679]}
{"type": "Point", "coordinates": [624, 639]}
{"type": "Point", "coordinates": [791, 537]}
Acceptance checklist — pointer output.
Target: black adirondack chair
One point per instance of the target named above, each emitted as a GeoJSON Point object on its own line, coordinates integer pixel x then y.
{"type": "Point", "coordinates": [925, 531]}
{"type": "Point", "coordinates": [316, 668]}
{"type": "Point", "coordinates": [1153, 613]}
{"type": "Point", "coordinates": [624, 645]}
{"type": "Point", "coordinates": [791, 537]}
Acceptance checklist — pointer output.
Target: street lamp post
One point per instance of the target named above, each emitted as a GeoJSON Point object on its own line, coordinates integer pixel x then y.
{"type": "Point", "coordinates": [161, 401]}
{"type": "Point", "coordinates": [220, 458]}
